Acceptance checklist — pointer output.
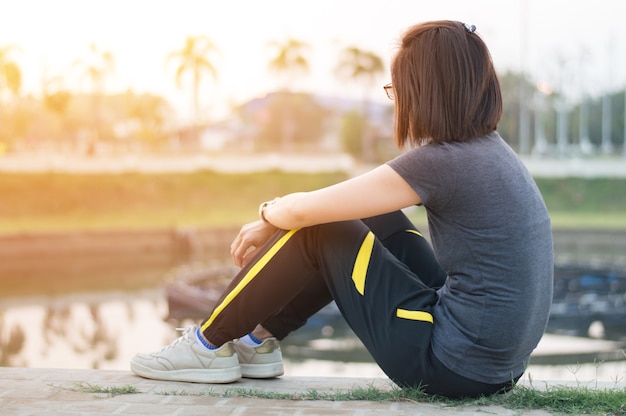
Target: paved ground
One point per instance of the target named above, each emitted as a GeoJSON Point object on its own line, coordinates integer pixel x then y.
{"type": "Point", "coordinates": [28, 391]}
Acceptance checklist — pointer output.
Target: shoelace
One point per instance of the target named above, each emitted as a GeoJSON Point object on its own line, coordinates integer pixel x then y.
{"type": "Point", "coordinates": [183, 337]}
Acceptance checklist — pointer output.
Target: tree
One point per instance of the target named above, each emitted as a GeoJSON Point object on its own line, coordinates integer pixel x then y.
{"type": "Point", "coordinates": [288, 63]}
{"type": "Point", "coordinates": [148, 113]}
{"type": "Point", "coordinates": [57, 100]}
{"type": "Point", "coordinates": [305, 112]}
{"type": "Point", "coordinates": [95, 69]}
{"type": "Point", "coordinates": [10, 73]}
{"type": "Point", "coordinates": [363, 67]}
{"type": "Point", "coordinates": [351, 132]}
{"type": "Point", "coordinates": [10, 81]}
{"type": "Point", "coordinates": [194, 57]}
{"type": "Point", "coordinates": [358, 65]}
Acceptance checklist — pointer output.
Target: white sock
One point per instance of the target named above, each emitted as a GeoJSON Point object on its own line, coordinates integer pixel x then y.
{"type": "Point", "coordinates": [200, 341]}
{"type": "Point", "coordinates": [250, 340]}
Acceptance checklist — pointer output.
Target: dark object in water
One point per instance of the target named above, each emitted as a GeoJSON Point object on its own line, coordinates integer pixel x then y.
{"type": "Point", "coordinates": [586, 294]}
{"type": "Point", "coordinates": [194, 293]}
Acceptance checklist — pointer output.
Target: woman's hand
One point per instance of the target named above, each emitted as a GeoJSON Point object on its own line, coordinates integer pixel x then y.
{"type": "Point", "coordinates": [249, 240]}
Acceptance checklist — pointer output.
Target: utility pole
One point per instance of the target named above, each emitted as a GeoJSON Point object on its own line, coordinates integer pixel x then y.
{"type": "Point", "coordinates": [584, 143]}
{"type": "Point", "coordinates": [607, 146]}
{"type": "Point", "coordinates": [542, 91]}
{"type": "Point", "coordinates": [561, 121]}
{"type": "Point", "coordinates": [524, 119]}
{"type": "Point", "coordinates": [624, 142]}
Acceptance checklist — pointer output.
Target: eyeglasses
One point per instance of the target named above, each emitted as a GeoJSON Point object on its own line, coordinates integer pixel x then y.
{"type": "Point", "coordinates": [389, 91]}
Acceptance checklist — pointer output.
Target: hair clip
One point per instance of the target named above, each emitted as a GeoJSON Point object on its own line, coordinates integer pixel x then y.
{"type": "Point", "coordinates": [469, 28]}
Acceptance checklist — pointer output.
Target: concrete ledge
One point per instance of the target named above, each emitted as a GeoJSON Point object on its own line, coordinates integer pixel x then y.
{"type": "Point", "coordinates": [31, 391]}
{"type": "Point", "coordinates": [69, 378]}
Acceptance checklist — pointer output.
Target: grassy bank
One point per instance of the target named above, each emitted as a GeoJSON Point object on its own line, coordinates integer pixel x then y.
{"type": "Point", "coordinates": [561, 400]}
{"type": "Point", "coordinates": [48, 202]}
{"type": "Point", "coordinates": [589, 203]}
{"type": "Point", "coordinates": [67, 202]}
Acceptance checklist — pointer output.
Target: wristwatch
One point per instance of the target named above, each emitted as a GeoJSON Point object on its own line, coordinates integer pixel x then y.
{"type": "Point", "coordinates": [263, 206]}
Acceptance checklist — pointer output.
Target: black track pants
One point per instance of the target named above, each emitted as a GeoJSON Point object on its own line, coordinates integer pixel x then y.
{"type": "Point", "coordinates": [383, 277]}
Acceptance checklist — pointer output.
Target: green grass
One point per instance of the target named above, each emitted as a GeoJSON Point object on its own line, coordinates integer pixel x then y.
{"type": "Point", "coordinates": [97, 389]}
{"type": "Point", "coordinates": [68, 202]}
{"type": "Point", "coordinates": [559, 399]}
{"type": "Point", "coordinates": [567, 400]}
{"type": "Point", "coordinates": [589, 220]}
{"type": "Point", "coordinates": [590, 195]}
{"type": "Point", "coordinates": [53, 202]}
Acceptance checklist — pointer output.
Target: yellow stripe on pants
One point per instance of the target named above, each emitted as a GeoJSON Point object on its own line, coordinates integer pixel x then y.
{"type": "Point", "coordinates": [359, 272]}
{"type": "Point", "coordinates": [252, 273]}
{"type": "Point", "coordinates": [414, 232]}
{"type": "Point", "coordinates": [414, 315]}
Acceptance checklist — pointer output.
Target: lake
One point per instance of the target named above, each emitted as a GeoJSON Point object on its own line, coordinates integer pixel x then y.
{"type": "Point", "coordinates": [93, 300]}
{"type": "Point", "coordinates": [105, 329]}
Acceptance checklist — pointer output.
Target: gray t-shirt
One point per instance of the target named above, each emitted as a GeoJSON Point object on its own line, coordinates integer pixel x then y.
{"type": "Point", "coordinates": [491, 233]}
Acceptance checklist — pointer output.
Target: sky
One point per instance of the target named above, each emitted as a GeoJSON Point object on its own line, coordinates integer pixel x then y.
{"type": "Point", "coordinates": [576, 44]}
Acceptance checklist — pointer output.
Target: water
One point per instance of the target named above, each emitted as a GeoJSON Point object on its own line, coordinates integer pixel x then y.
{"type": "Point", "coordinates": [105, 329]}
{"type": "Point", "coordinates": [104, 303]}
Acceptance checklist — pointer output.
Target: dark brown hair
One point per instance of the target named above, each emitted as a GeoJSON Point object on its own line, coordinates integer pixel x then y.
{"type": "Point", "coordinates": [446, 88]}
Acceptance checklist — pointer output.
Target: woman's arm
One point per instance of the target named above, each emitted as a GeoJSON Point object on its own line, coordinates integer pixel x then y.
{"type": "Point", "coordinates": [376, 192]}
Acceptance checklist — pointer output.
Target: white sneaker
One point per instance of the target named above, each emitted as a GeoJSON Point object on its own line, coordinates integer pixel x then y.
{"type": "Point", "coordinates": [264, 361]}
{"type": "Point", "coordinates": [185, 360]}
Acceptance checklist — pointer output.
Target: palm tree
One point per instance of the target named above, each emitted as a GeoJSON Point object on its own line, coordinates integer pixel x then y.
{"type": "Point", "coordinates": [57, 100]}
{"type": "Point", "coordinates": [148, 112]}
{"type": "Point", "coordinates": [288, 63]}
{"type": "Point", "coordinates": [194, 57]}
{"type": "Point", "coordinates": [361, 66]}
{"type": "Point", "coordinates": [55, 97]}
{"type": "Point", "coordinates": [290, 60]}
{"type": "Point", "coordinates": [10, 80]}
{"type": "Point", "coordinates": [10, 73]}
{"type": "Point", "coordinates": [95, 69]}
